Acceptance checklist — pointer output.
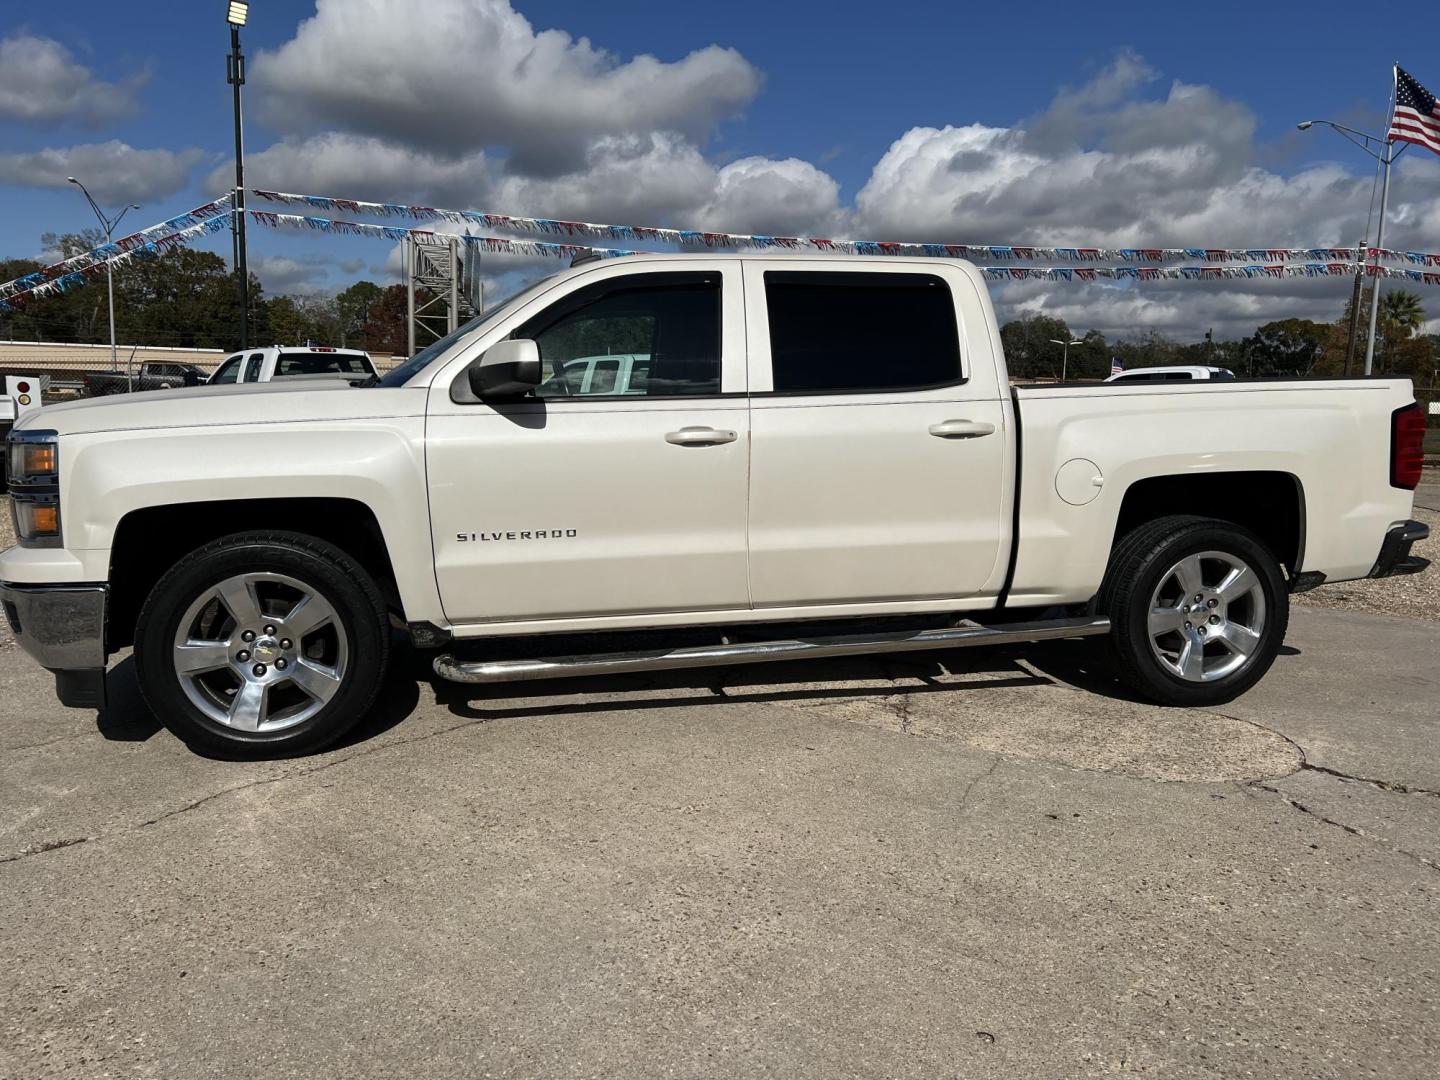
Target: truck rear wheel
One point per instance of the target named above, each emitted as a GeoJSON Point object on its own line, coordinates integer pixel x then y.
{"type": "Point", "coordinates": [266, 642]}
{"type": "Point", "coordinates": [1198, 608]}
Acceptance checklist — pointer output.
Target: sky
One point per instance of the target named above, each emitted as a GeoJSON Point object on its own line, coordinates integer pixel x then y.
{"type": "Point", "coordinates": [1125, 124]}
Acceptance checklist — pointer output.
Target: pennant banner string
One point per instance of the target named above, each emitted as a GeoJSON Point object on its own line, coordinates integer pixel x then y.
{"type": "Point", "coordinates": [111, 251]}
{"type": "Point", "coordinates": [207, 219]}
{"type": "Point", "coordinates": [700, 238]}
{"type": "Point", "coordinates": [500, 245]}
{"type": "Point", "coordinates": [84, 275]}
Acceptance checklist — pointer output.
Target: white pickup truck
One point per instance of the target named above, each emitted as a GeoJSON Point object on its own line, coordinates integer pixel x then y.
{"type": "Point", "coordinates": [292, 362]}
{"type": "Point", "coordinates": [812, 442]}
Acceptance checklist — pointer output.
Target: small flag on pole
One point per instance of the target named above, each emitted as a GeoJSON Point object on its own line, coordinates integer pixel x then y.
{"type": "Point", "coordinates": [1416, 118]}
{"type": "Point", "coordinates": [1115, 366]}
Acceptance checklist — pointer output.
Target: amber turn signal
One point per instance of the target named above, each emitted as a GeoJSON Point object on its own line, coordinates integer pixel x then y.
{"type": "Point", "coordinates": [36, 521]}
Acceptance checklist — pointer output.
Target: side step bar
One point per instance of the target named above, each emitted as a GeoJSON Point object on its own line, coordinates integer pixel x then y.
{"type": "Point", "coordinates": [954, 637]}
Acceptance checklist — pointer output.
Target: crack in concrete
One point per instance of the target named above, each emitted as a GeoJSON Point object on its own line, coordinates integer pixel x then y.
{"type": "Point", "coordinates": [902, 710]}
{"type": "Point", "coordinates": [1384, 785]}
{"type": "Point", "coordinates": [105, 730]}
{"type": "Point", "coordinates": [970, 787]}
{"type": "Point", "coordinates": [294, 774]}
{"type": "Point", "coordinates": [1306, 765]}
{"type": "Point", "coordinates": [43, 846]}
{"type": "Point", "coordinates": [1353, 830]}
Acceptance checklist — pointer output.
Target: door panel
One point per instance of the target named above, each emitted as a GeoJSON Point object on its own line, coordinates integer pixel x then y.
{"type": "Point", "coordinates": [869, 496]}
{"type": "Point", "coordinates": [559, 509]}
{"type": "Point", "coordinates": [601, 496]}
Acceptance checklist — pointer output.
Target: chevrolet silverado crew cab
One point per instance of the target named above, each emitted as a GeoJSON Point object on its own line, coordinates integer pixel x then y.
{"type": "Point", "coordinates": [828, 445]}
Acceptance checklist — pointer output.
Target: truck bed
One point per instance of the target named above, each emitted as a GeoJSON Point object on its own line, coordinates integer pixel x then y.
{"type": "Point", "coordinates": [1321, 445]}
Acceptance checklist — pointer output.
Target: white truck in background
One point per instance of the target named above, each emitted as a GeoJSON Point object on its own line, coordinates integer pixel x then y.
{"type": "Point", "coordinates": [293, 362]}
{"type": "Point", "coordinates": [815, 442]}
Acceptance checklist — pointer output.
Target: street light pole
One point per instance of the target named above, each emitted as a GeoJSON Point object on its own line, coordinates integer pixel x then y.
{"type": "Point", "coordinates": [108, 224]}
{"type": "Point", "coordinates": [236, 14]}
{"type": "Point", "coordinates": [1362, 140]}
{"type": "Point", "coordinates": [1065, 356]}
{"type": "Point", "coordinates": [1390, 156]}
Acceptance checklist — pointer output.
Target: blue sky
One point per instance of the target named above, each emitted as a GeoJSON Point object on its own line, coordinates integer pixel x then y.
{"type": "Point", "coordinates": [835, 84]}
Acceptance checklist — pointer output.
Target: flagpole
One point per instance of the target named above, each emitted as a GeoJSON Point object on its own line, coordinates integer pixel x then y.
{"type": "Point", "coordinates": [1380, 228]}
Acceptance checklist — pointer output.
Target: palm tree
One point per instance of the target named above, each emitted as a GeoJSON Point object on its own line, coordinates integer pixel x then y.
{"type": "Point", "coordinates": [1403, 310]}
{"type": "Point", "coordinates": [1401, 314]}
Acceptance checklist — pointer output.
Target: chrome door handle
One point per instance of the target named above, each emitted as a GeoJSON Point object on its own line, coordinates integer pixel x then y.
{"type": "Point", "coordinates": [699, 436]}
{"type": "Point", "coordinates": [961, 429]}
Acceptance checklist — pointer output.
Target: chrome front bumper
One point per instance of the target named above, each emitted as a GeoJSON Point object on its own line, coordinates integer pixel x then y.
{"type": "Point", "coordinates": [63, 627]}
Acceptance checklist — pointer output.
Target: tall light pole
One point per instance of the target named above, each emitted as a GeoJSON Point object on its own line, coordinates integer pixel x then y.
{"type": "Point", "coordinates": [1386, 156]}
{"type": "Point", "coordinates": [236, 14]}
{"type": "Point", "coordinates": [1065, 356]}
{"type": "Point", "coordinates": [108, 224]}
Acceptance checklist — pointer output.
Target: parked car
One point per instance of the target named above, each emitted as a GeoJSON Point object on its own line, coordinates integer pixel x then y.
{"type": "Point", "coordinates": [151, 375]}
{"type": "Point", "coordinates": [293, 362]}
{"type": "Point", "coordinates": [1174, 373]}
{"type": "Point", "coordinates": [777, 463]}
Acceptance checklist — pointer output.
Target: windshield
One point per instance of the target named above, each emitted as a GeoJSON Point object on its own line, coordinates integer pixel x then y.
{"type": "Point", "coordinates": [405, 372]}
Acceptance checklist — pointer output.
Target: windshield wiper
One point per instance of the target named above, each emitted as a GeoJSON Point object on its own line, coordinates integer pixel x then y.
{"type": "Point", "coordinates": [368, 381]}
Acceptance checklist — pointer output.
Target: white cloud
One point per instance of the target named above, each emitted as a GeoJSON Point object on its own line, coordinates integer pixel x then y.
{"type": "Point", "coordinates": [115, 172]}
{"type": "Point", "coordinates": [460, 75]}
{"type": "Point", "coordinates": [287, 276]}
{"type": "Point", "coordinates": [623, 178]}
{"type": "Point", "coordinates": [361, 167]}
{"type": "Point", "coordinates": [632, 179]}
{"type": "Point", "coordinates": [41, 83]}
{"type": "Point", "coordinates": [762, 195]}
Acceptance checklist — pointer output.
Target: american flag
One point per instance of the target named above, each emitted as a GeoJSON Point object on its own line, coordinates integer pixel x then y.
{"type": "Point", "coordinates": [1115, 366]}
{"type": "Point", "coordinates": [1417, 117]}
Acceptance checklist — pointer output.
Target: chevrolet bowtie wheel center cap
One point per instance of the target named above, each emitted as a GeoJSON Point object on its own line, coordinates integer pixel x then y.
{"type": "Point", "coordinates": [265, 650]}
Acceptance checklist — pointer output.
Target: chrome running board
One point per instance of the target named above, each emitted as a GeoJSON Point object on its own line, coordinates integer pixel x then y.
{"type": "Point", "coordinates": [965, 634]}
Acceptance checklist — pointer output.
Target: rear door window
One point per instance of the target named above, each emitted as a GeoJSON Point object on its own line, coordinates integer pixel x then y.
{"type": "Point", "coordinates": [252, 367]}
{"type": "Point", "coordinates": [854, 332]}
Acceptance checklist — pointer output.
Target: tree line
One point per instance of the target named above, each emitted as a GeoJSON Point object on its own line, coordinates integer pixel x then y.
{"type": "Point", "coordinates": [188, 299]}
{"type": "Point", "coordinates": [1295, 347]}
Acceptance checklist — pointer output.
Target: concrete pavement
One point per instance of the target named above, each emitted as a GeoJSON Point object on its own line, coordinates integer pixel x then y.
{"type": "Point", "coordinates": [998, 866]}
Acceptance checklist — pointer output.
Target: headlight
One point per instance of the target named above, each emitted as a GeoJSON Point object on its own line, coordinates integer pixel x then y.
{"type": "Point", "coordinates": [33, 458]}
{"type": "Point", "coordinates": [33, 461]}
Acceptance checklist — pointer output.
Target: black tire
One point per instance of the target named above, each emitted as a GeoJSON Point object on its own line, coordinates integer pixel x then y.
{"type": "Point", "coordinates": [333, 576]}
{"type": "Point", "coordinates": [1141, 564]}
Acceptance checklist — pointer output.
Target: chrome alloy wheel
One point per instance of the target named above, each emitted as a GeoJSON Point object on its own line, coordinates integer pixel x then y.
{"type": "Point", "coordinates": [1207, 616]}
{"type": "Point", "coordinates": [260, 652]}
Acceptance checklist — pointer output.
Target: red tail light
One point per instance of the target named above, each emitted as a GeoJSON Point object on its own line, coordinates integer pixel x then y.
{"type": "Point", "coordinates": [1407, 445]}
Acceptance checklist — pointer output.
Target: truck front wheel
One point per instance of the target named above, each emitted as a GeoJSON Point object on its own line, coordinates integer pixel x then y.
{"type": "Point", "coordinates": [267, 642]}
{"type": "Point", "coordinates": [1198, 609]}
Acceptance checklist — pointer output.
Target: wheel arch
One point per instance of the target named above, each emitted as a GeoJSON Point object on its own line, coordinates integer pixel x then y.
{"type": "Point", "coordinates": [150, 540]}
{"type": "Point", "coordinates": [1271, 504]}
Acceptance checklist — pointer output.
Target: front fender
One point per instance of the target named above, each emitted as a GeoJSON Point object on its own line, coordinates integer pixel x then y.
{"type": "Point", "coordinates": [377, 463]}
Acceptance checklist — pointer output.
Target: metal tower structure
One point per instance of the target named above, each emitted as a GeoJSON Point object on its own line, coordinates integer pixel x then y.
{"type": "Point", "coordinates": [443, 287]}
